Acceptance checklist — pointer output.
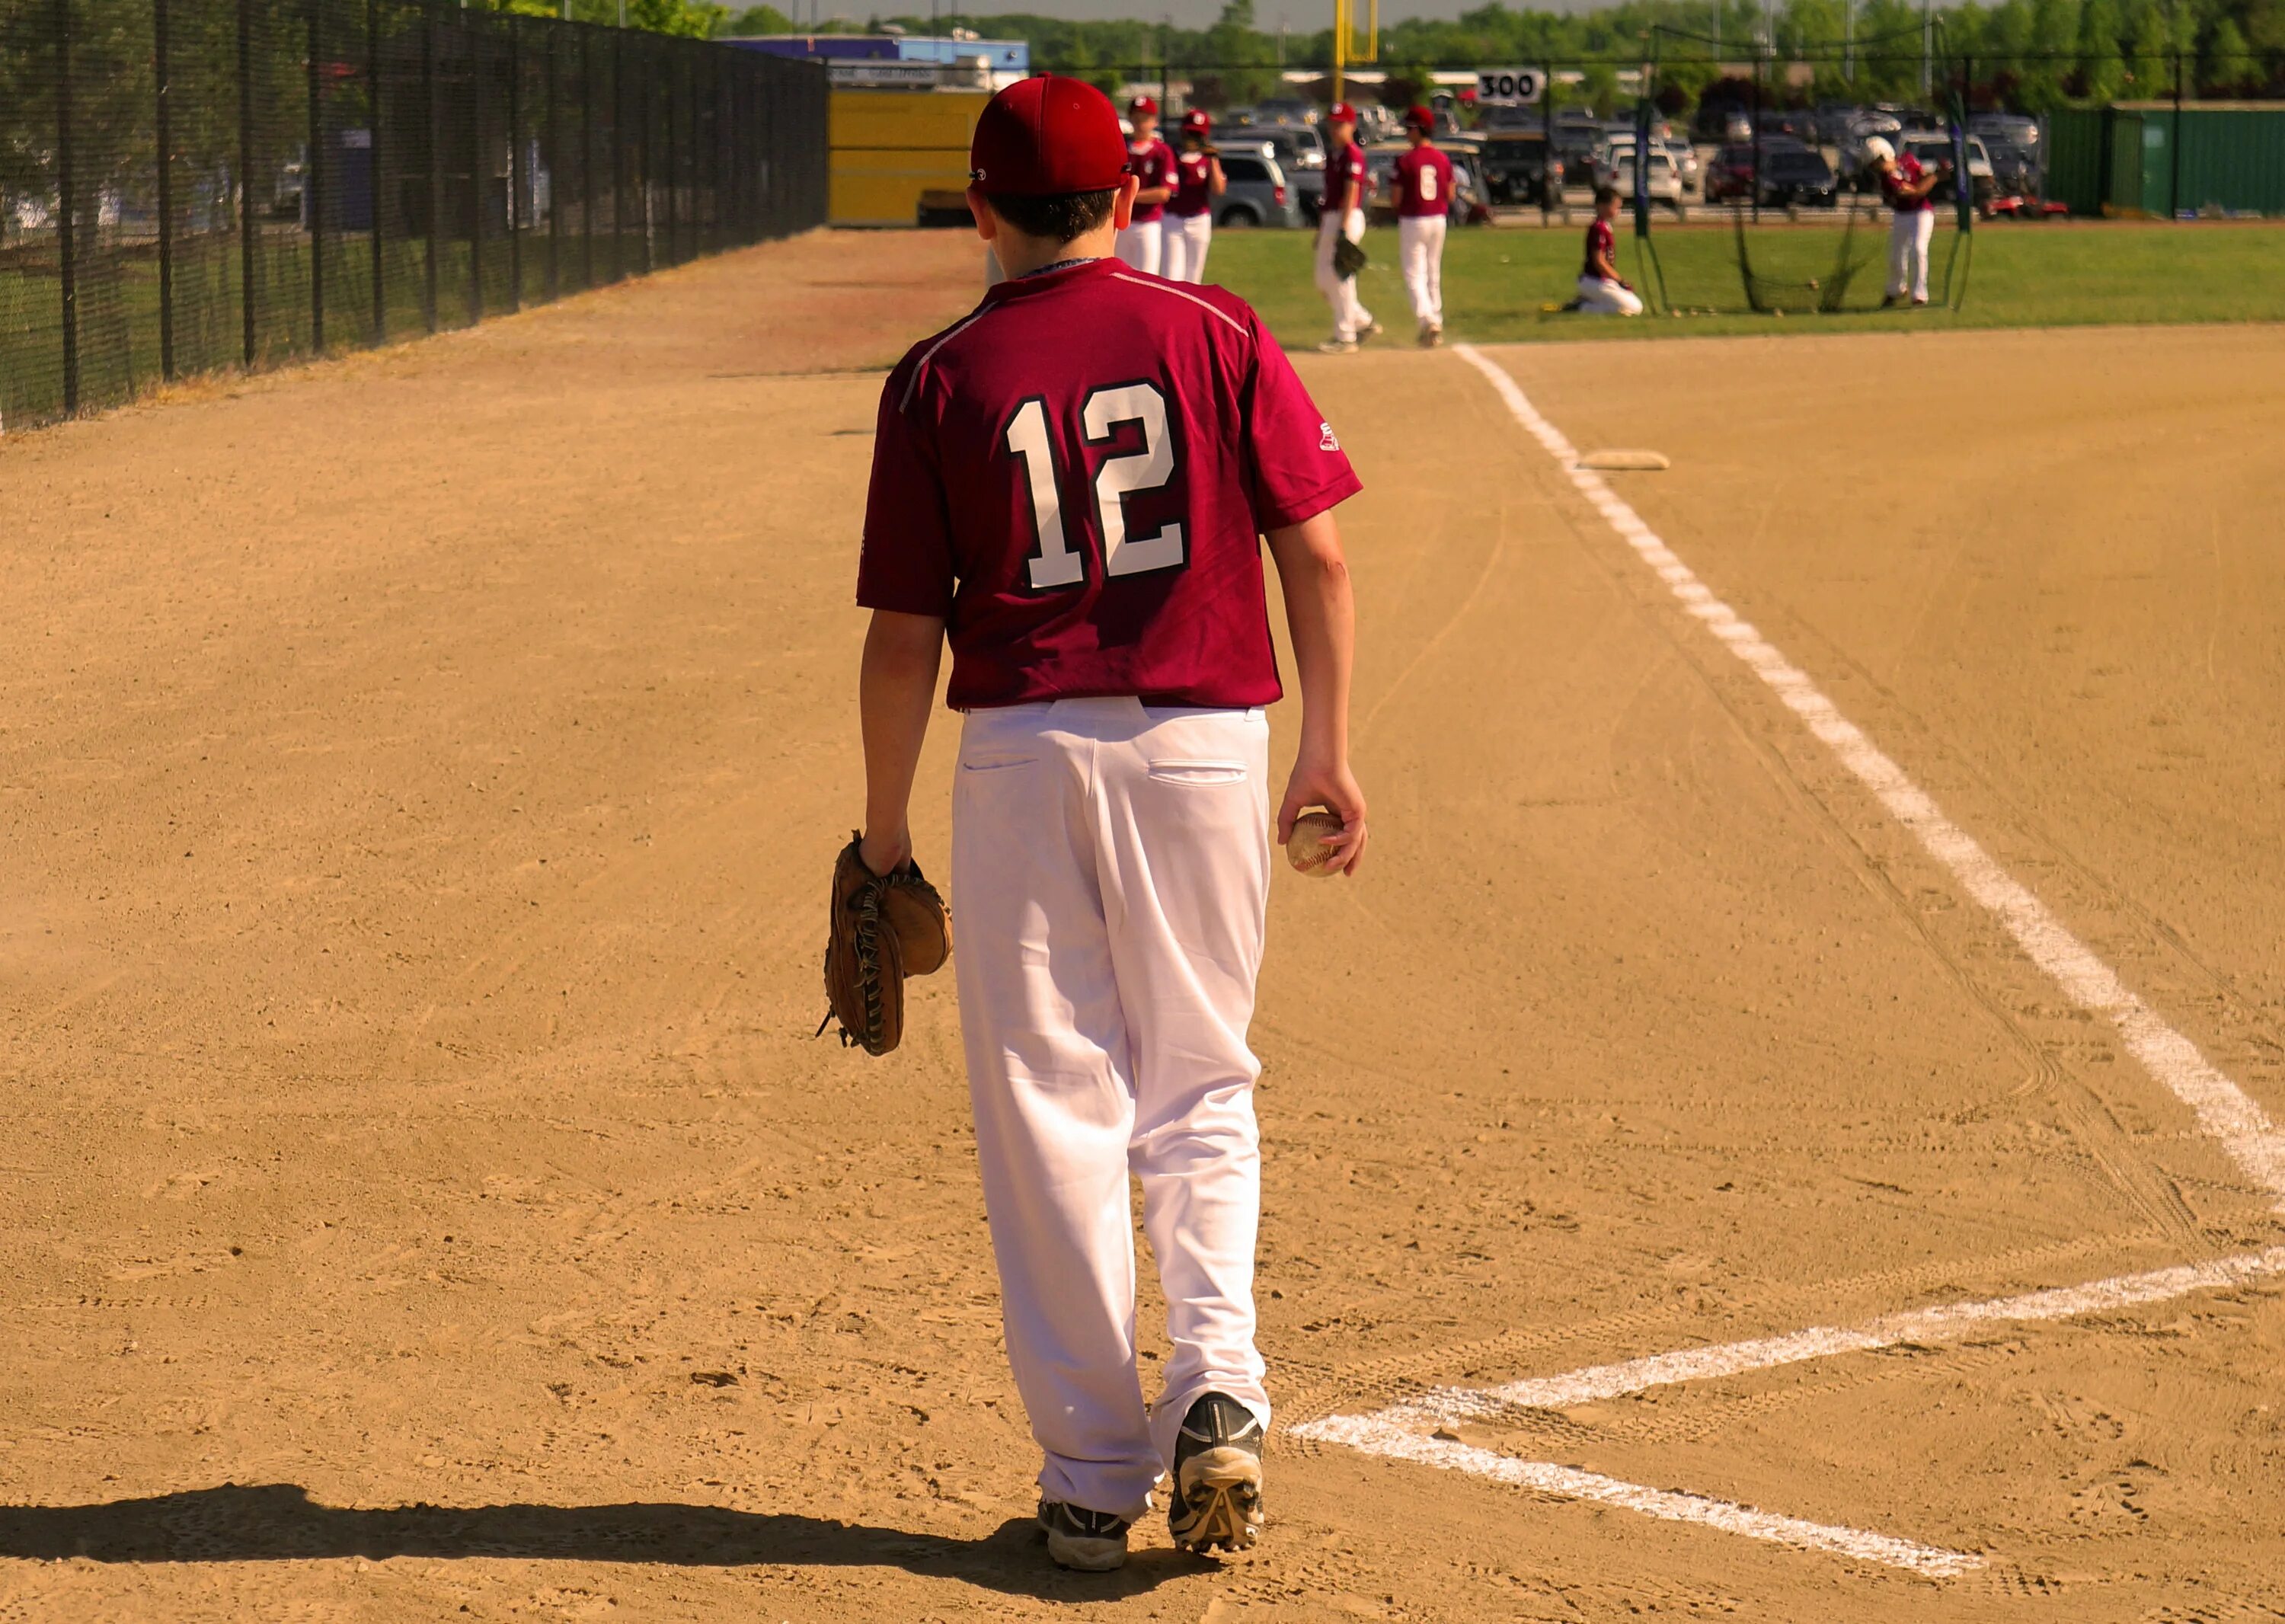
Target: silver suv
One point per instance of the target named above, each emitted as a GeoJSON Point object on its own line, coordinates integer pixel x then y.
{"type": "Point", "coordinates": [1258, 194]}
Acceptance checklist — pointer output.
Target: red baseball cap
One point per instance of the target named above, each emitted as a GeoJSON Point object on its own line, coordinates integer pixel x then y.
{"type": "Point", "coordinates": [1143, 104]}
{"type": "Point", "coordinates": [1340, 113]}
{"type": "Point", "coordinates": [1197, 119]}
{"type": "Point", "coordinates": [1420, 118]}
{"type": "Point", "coordinates": [1043, 136]}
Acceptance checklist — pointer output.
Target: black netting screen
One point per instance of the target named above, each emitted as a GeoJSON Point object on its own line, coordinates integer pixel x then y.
{"type": "Point", "coordinates": [187, 184]}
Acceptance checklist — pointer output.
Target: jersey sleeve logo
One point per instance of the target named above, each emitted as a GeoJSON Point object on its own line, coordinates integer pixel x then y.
{"type": "Point", "coordinates": [1327, 441]}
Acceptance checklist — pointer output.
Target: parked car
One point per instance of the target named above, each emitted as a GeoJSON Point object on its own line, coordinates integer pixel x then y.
{"type": "Point", "coordinates": [1298, 153]}
{"type": "Point", "coordinates": [1685, 158]}
{"type": "Point", "coordinates": [1257, 194]}
{"type": "Point", "coordinates": [1665, 179]}
{"type": "Point", "coordinates": [2018, 160]}
{"type": "Point", "coordinates": [1575, 152]}
{"type": "Point", "coordinates": [1797, 177]}
{"type": "Point", "coordinates": [1730, 175]}
{"type": "Point", "coordinates": [2016, 128]}
{"type": "Point", "coordinates": [1934, 146]}
{"type": "Point", "coordinates": [1832, 120]}
{"type": "Point", "coordinates": [2014, 172]}
{"type": "Point", "coordinates": [1513, 166]}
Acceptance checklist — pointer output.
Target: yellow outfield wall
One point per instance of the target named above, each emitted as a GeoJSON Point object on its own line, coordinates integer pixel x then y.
{"type": "Point", "coordinates": [889, 146]}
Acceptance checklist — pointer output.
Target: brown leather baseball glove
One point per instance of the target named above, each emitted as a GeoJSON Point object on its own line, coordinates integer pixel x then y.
{"type": "Point", "coordinates": [882, 928]}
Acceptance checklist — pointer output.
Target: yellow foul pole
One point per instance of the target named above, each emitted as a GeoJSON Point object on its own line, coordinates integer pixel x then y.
{"type": "Point", "coordinates": [1340, 48]}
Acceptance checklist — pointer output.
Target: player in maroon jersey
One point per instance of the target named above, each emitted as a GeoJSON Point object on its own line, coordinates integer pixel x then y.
{"type": "Point", "coordinates": [1070, 484]}
{"type": "Point", "coordinates": [1905, 185]}
{"type": "Point", "coordinates": [1198, 181]}
{"type": "Point", "coordinates": [1602, 290]}
{"type": "Point", "coordinates": [1422, 182]}
{"type": "Point", "coordinates": [1342, 217]}
{"type": "Point", "coordinates": [1142, 239]}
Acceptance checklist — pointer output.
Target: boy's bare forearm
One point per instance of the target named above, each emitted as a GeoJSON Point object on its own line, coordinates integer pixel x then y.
{"type": "Point", "coordinates": [1321, 613]}
{"type": "Point", "coordinates": [896, 690]}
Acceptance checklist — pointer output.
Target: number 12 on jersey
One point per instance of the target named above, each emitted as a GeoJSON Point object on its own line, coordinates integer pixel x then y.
{"type": "Point", "coordinates": [1055, 563]}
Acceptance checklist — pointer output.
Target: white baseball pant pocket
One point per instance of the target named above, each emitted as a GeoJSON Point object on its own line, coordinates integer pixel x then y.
{"type": "Point", "coordinates": [1420, 252]}
{"type": "Point", "coordinates": [1142, 246]}
{"type": "Point", "coordinates": [1599, 297]}
{"type": "Point", "coordinates": [1111, 871]}
{"type": "Point", "coordinates": [1187, 239]}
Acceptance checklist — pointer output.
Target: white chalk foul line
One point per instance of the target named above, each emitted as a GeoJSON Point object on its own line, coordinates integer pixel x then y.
{"type": "Point", "coordinates": [1401, 1432]}
{"type": "Point", "coordinates": [1376, 1435]}
{"type": "Point", "coordinates": [1915, 1327]}
{"type": "Point", "coordinates": [2223, 1110]}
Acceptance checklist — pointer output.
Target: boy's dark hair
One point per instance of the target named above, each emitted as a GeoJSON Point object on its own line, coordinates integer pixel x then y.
{"type": "Point", "coordinates": [1060, 217]}
{"type": "Point", "coordinates": [1605, 194]}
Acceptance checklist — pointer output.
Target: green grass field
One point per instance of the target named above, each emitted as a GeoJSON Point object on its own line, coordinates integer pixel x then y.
{"type": "Point", "coordinates": [2052, 274]}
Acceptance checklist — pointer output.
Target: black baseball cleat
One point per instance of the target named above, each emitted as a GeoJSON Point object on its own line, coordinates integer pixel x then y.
{"type": "Point", "coordinates": [1092, 1541]}
{"type": "Point", "coordinates": [1216, 1497]}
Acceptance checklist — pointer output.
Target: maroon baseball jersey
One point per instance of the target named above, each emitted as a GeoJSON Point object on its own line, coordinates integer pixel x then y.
{"type": "Point", "coordinates": [1076, 478]}
{"type": "Point", "coordinates": [1345, 180]}
{"type": "Point", "coordinates": [1907, 173]}
{"type": "Point", "coordinates": [1152, 162]}
{"type": "Point", "coordinates": [1193, 184]}
{"type": "Point", "coordinates": [1599, 240]}
{"type": "Point", "coordinates": [1424, 183]}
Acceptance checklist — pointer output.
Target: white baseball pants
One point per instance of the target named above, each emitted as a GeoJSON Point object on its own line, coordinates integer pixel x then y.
{"type": "Point", "coordinates": [1142, 246]}
{"type": "Point", "coordinates": [1350, 318]}
{"type": "Point", "coordinates": [1187, 239]}
{"type": "Point", "coordinates": [1910, 233]}
{"type": "Point", "coordinates": [1599, 297]}
{"type": "Point", "coordinates": [1420, 252]}
{"type": "Point", "coordinates": [1110, 875]}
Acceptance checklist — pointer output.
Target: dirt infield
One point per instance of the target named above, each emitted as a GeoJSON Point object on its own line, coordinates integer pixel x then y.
{"type": "Point", "coordinates": [425, 1198]}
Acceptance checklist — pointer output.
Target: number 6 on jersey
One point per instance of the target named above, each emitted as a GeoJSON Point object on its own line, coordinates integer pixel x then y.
{"type": "Point", "coordinates": [1055, 563]}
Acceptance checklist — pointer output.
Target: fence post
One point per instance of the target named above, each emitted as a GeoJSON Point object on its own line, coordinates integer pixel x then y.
{"type": "Point", "coordinates": [373, 134]}
{"type": "Point", "coordinates": [430, 297]}
{"type": "Point", "coordinates": [588, 156]}
{"type": "Point", "coordinates": [313, 185]}
{"type": "Point", "coordinates": [160, 72]}
{"type": "Point", "coordinates": [674, 64]}
{"type": "Point", "coordinates": [2174, 147]}
{"type": "Point", "coordinates": [618, 154]}
{"type": "Point", "coordinates": [650, 246]}
{"type": "Point", "coordinates": [1757, 137]}
{"type": "Point", "coordinates": [515, 164]}
{"type": "Point", "coordinates": [477, 179]}
{"type": "Point", "coordinates": [245, 256]}
{"type": "Point", "coordinates": [67, 206]}
{"type": "Point", "coordinates": [554, 176]}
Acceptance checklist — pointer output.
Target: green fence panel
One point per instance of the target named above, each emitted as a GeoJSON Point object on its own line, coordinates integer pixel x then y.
{"type": "Point", "coordinates": [2077, 156]}
{"type": "Point", "coordinates": [2233, 158]}
{"type": "Point", "coordinates": [2123, 185]}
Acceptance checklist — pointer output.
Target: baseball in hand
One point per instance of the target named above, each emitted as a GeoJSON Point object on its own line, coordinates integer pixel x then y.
{"type": "Point", "coordinates": [1307, 847]}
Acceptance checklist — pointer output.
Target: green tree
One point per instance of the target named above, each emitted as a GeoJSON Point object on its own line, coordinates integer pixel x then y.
{"type": "Point", "coordinates": [2226, 65]}
{"type": "Point", "coordinates": [2149, 66]}
{"type": "Point", "coordinates": [2100, 69]}
{"type": "Point", "coordinates": [2053, 31]}
{"type": "Point", "coordinates": [758, 20]}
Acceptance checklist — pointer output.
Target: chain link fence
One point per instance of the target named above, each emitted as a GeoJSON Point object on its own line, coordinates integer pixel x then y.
{"type": "Point", "coordinates": [190, 184]}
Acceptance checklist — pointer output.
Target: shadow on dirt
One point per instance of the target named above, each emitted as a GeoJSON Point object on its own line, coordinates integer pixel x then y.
{"type": "Point", "coordinates": [278, 1522]}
